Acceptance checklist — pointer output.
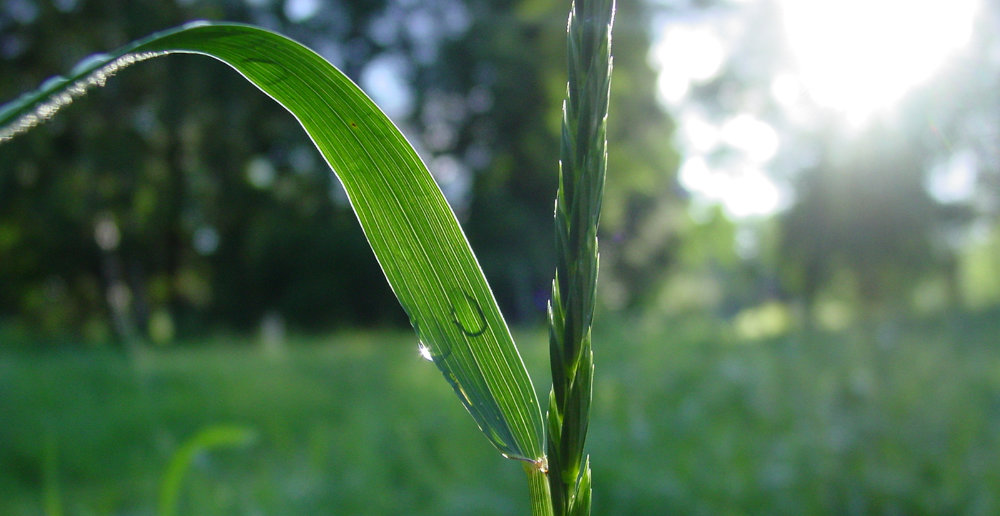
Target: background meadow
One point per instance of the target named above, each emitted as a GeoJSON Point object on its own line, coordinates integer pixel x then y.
{"type": "Point", "coordinates": [799, 295]}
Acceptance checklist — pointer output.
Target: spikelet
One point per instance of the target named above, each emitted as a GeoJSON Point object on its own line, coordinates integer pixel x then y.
{"type": "Point", "coordinates": [59, 92]}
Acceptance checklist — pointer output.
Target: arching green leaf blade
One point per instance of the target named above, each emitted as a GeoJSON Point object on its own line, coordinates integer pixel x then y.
{"type": "Point", "coordinates": [412, 230]}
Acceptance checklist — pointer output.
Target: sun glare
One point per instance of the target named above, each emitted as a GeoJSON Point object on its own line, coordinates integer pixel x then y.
{"type": "Point", "coordinates": [688, 54]}
{"type": "Point", "coordinates": [852, 58]}
{"type": "Point", "coordinates": [861, 56]}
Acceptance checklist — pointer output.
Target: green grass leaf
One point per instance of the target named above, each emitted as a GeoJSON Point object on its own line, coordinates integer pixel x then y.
{"type": "Point", "coordinates": [211, 438]}
{"type": "Point", "coordinates": [412, 230]}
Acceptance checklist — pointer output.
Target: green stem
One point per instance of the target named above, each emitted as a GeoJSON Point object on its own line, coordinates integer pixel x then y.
{"type": "Point", "coordinates": [538, 489]}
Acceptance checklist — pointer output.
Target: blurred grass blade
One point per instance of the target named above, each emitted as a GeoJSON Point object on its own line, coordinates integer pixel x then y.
{"type": "Point", "coordinates": [211, 438]}
{"type": "Point", "coordinates": [411, 228]}
{"type": "Point", "coordinates": [50, 475]}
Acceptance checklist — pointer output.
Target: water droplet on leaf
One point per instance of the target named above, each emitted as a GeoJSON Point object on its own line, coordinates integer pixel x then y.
{"type": "Point", "coordinates": [467, 315]}
{"type": "Point", "coordinates": [266, 71]}
{"type": "Point", "coordinates": [425, 352]}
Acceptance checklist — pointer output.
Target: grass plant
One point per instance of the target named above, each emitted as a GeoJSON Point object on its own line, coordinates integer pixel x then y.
{"type": "Point", "coordinates": [416, 237]}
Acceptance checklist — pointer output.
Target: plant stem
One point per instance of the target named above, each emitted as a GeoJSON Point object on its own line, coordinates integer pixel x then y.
{"type": "Point", "coordinates": [538, 489]}
{"type": "Point", "coordinates": [582, 166]}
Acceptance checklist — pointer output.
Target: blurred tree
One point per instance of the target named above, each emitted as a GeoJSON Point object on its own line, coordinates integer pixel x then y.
{"type": "Point", "coordinates": [179, 194]}
{"type": "Point", "coordinates": [868, 217]}
{"type": "Point", "coordinates": [176, 191]}
{"type": "Point", "coordinates": [510, 214]}
{"type": "Point", "coordinates": [862, 208]}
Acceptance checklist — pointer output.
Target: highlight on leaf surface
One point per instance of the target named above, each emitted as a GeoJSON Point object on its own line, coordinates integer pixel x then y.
{"type": "Point", "coordinates": [409, 225]}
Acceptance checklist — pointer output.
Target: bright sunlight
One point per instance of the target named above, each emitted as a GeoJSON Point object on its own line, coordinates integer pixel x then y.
{"type": "Point", "coordinates": [860, 56]}
{"type": "Point", "coordinates": [854, 59]}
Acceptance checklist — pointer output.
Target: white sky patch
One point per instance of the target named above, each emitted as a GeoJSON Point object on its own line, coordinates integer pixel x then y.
{"type": "Point", "coordinates": [299, 11]}
{"type": "Point", "coordinates": [746, 192]}
{"type": "Point", "coordinates": [954, 180]}
{"type": "Point", "coordinates": [385, 79]}
{"type": "Point", "coordinates": [861, 56]}
{"type": "Point", "coordinates": [787, 90]}
{"type": "Point", "coordinates": [697, 133]}
{"type": "Point", "coordinates": [754, 137]}
{"type": "Point", "coordinates": [453, 178]}
{"type": "Point", "coordinates": [751, 194]}
{"type": "Point", "coordinates": [695, 175]}
{"type": "Point", "coordinates": [738, 182]}
{"type": "Point", "coordinates": [686, 55]}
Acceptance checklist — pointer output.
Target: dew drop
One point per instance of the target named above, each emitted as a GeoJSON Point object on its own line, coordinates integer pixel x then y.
{"type": "Point", "coordinates": [467, 315]}
{"type": "Point", "coordinates": [425, 352]}
{"type": "Point", "coordinates": [266, 71]}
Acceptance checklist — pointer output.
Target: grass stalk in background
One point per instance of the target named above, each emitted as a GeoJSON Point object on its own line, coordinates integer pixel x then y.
{"type": "Point", "coordinates": [50, 475]}
{"type": "Point", "coordinates": [582, 166]}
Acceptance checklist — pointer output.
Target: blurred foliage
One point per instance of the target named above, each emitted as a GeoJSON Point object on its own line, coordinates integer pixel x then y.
{"type": "Point", "coordinates": [177, 199]}
{"type": "Point", "coordinates": [862, 208]}
{"type": "Point", "coordinates": [865, 234]}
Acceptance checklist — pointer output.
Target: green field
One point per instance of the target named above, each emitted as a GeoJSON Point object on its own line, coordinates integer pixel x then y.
{"type": "Point", "coordinates": [899, 419]}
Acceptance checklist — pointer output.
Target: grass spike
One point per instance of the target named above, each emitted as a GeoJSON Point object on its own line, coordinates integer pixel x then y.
{"type": "Point", "coordinates": [582, 167]}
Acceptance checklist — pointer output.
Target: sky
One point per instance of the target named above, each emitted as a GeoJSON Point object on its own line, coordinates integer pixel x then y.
{"type": "Point", "coordinates": [850, 59]}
